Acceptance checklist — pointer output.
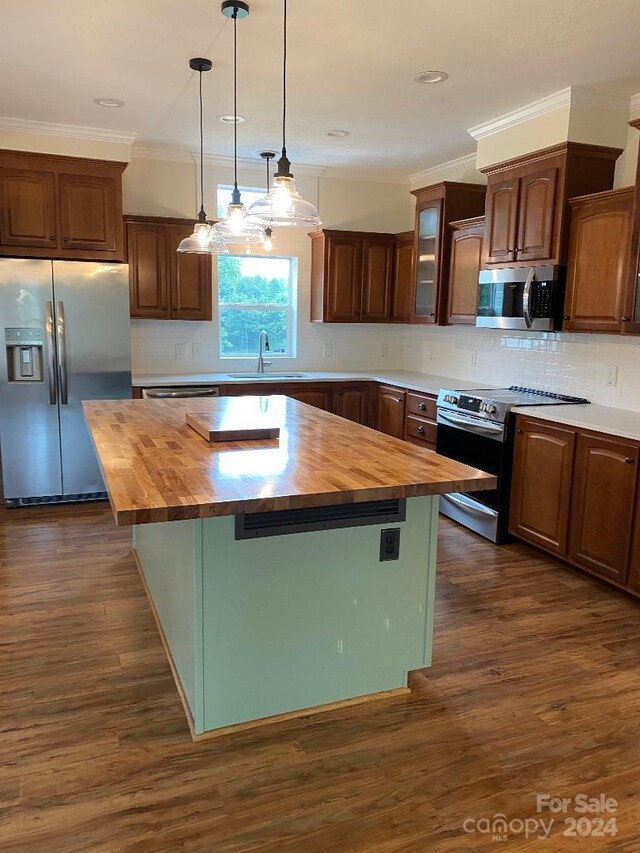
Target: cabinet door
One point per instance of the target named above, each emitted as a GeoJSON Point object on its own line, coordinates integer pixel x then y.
{"type": "Point", "coordinates": [536, 205]}
{"type": "Point", "coordinates": [598, 264]}
{"type": "Point", "coordinates": [428, 228]}
{"type": "Point", "coordinates": [466, 255]}
{"type": "Point", "coordinates": [28, 202]}
{"type": "Point", "coordinates": [189, 278]}
{"type": "Point", "coordinates": [602, 512]}
{"type": "Point", "coordinates": [88, 212]}
{"type": "Point", "coordinates": [318, 396]}
{"type": "Point", "coordinates": [344, 279]}
{"type": "Point", "coordinates": [353, 403]}
{"type": "Point", "coordinates": [541, 484]}
{"type": "Point", "coordinates": [377, 276]}
{"type": "Point", "coordinates": [148, 274]}
{"type": "Point", "coordinates": [501, 221]}
{"type": "Point", "coordinates": [391, 404]}
{"type": "Point", "coordinates": [403, 278]}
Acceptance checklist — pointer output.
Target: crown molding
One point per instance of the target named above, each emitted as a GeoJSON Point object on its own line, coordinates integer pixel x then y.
{"type": "Point", "coordinates": [571, 96]}
{"type": "Point", "coordinates": [434, 174]}
{"type": "Point", "coordinates": [70, 131]}
{"type": "Point", "coordinates": [634, 107]}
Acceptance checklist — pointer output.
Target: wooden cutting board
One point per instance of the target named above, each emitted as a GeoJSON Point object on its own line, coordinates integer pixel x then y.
{"type": "Point", "coordinates": [217, 426]}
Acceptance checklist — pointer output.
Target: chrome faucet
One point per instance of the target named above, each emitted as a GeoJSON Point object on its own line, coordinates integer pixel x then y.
{"type": "Point", "coordinates": [263, 346]}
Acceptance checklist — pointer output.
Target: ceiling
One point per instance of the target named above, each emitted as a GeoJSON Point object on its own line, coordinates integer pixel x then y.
{"type": "Point", "coordinates": [350, 64]}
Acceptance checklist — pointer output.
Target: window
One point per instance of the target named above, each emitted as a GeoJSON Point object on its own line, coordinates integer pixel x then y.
{"type": "Point", "coordinates": [255, 293]}
{"type": "Point", "coordinates": [223, 199]}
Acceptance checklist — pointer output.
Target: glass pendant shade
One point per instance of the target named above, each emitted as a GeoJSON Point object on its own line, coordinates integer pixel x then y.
{"type": "Point", "coordinates": [238, 232]}
{"type": "Point", "coordinates": [202, 242]}
{"type": "Point", "coordinates": [283, 206]}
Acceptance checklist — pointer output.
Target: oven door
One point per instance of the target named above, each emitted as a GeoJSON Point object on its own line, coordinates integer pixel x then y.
{"type": "Point", "coordinates": [480, 444]}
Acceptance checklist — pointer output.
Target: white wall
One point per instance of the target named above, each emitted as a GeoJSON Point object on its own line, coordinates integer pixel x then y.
{"type": "Point", "coordinates": [165, 188]}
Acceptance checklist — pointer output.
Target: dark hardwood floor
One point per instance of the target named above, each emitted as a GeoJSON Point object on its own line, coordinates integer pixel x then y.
{"type": "Point", "coordinates": [535, 688]}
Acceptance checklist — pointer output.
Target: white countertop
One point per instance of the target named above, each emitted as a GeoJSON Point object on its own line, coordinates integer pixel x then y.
{"type": "Point", "coordinates": [619, 422]}
{"type": "Point", "coordinates": [402, 378]}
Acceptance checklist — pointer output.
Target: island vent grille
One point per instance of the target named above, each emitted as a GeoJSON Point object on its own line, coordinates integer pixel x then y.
{"type": "Point", "coordinates": [288, 521]}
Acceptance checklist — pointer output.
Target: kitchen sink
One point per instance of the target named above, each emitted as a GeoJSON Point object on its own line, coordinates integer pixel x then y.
{"type": "Point", "coordinates": [267, 375]}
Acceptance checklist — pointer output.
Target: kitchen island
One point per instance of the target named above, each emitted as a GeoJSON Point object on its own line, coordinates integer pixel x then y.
{"type": "Point", "coordinates": [286, 575]}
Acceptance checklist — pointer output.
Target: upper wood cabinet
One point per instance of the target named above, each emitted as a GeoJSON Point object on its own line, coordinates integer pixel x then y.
{"type": "Point", "coordinates": [526, 210]}
{"type": "Point", "coordinates": [466, 256]}
{"type": "Point", "coordinates": [403, 277]}
{"type": "Point", "coordinates": [598, 268]}
{"type": "Point", "coordinates": [60, 207]}
{"type": "Point", "coordinates": [436, 207]}
{"type": "Point", "coordinates": [351, 276]}
{"type": "Point", "coordinates": [603, 502]}
{"type": "Point", "coordinates": [541, 484]}
{"type": "Point", "coordinates": [163, 284]}
{"type": "Point", "coordinates": [391, 406]}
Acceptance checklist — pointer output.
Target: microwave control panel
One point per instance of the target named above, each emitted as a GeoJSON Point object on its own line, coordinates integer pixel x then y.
{"type": "Point", "coordinates": [542, 302]}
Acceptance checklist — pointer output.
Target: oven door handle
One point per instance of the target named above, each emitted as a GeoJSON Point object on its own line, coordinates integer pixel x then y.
{"type": "Point", "coordinates": [470, 506]}
{"type": "Point", "coordinates": [526, 297]}
{"type": "Point", "coordinates": [472, 426]}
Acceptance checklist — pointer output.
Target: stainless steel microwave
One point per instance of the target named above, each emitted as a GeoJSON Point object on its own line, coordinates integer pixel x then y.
{"type": "Point", "coordinates": [526, 298]}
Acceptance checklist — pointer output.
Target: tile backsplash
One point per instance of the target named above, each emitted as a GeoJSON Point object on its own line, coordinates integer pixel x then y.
{"type": "Point", "coordinates": [603, 368]}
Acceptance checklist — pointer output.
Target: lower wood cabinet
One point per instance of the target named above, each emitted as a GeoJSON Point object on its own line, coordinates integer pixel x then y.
{"type": "Point", "coordinates": [354, 402]}
{"type": "Point", "coordinates": [603, 496]}
{"type": "Point", "coordinates": [391, 410]}
{"type": "Point", "coordinates": [320, 396]}
{"type": "Point", "coordinates": [420, 426]}
{"type": "Point", "coordinates": [541, 484]}
{"type": "Point", "coordinates": [574, 494]}
{"type": "Point", "coordinates": [163, 284]}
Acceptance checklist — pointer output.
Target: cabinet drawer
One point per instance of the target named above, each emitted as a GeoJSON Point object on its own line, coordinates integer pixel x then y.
{"type": "Point", "coordinates": [422, 406]}
{"type": "Point", "coordinates": [421, 429]}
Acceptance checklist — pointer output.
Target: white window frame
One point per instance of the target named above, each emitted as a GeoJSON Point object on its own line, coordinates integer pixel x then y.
{"type": "Point", "coordinates": [290, 307]}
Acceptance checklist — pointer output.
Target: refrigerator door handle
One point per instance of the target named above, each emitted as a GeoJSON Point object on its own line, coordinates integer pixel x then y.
{"type": "Point", "coordinates": [51, 358]}
{"type": "Point", "coordinates": [62, 353]}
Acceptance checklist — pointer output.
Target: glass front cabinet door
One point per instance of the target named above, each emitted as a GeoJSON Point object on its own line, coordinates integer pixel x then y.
{"type": "Point", "coordinates": [428, 227]}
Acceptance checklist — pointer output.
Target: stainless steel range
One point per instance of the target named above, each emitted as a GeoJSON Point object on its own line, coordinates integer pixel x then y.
{"type": "Point", "coordinates": [476, 427]}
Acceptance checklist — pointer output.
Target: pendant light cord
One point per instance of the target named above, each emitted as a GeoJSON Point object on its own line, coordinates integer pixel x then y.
{"type": "Point", "coordinates": [201, 152]}
{"type": "Point", "coordinates": [284, 78]}
{"type": "Point", "coordinates": [235, 97]}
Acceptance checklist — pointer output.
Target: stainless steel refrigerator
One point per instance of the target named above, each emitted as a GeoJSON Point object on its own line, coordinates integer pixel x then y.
{"type": "Point", "coordinates": [64, 329]}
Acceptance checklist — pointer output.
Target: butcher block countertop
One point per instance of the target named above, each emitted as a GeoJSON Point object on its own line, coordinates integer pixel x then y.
{"type": "Point", "coordinates": [156, 468]}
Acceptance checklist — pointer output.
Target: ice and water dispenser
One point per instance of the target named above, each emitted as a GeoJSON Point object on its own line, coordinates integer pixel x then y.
{"type": "Point", "coordinates": [24, 354]}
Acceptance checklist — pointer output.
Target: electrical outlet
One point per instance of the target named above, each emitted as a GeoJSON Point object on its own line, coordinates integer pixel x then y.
{"type": "Point", "coordinates": [196, 350]}
{"type": "Point", "coordinates": [181, 351]}
{"type": "Point", "coordinates": [389, 544]}
{"type": "Point", "coordinates": [328, 350]}
{"type": "Point", "coordinates": [612, 375]}
{"type": "Point", "coordinates": [473, 358]}
{"type": "Point", "coordinates": [384, 350]}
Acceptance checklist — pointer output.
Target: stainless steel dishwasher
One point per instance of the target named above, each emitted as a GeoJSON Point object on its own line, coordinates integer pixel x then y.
{"type": "Point", "coordinates": [179, 393]}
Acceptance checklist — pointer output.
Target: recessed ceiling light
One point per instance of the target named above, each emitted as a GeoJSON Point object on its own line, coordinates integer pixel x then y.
{"type": "Point", "coordinates": [336, 132]}
{"type": "Point", "coordinates": [430, 77]}
{"type": "Point", "coordinates": [229, 118]}
{"type": "Point", "coordinates": [111, 103]}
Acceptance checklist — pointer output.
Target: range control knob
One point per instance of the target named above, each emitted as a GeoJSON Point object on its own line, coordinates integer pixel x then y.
{"type": "Point", "coordinates": [490, 409]}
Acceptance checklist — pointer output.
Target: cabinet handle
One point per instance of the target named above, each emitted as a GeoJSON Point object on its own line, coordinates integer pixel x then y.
{"type": "Point", "coordinates": [629, 460]}
{"type": "Point", "coordinates": [420, 429]}
{"type": "Point", "coordinates": [566, 317]}
{"type": "Point", "coordinates": [422, 407]}
{"type": "Point", "coordinates": [626, 319]}
{"type": "Point", "coordinates": [53, 237]}
{"type": "Point", "coordinates": [519, 431]}
{"type": "Point", "coordinates": [164, 308]}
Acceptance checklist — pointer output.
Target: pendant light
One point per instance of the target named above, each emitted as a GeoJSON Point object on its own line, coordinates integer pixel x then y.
{"type": "Point", "coordinates": [200, 241]}
{"type": "Point", "coordinates": [267, 243]}
{"type": "Point", "coordinates": [236, 229]}
{"type": "Point", "coordinates": [283, 205]}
